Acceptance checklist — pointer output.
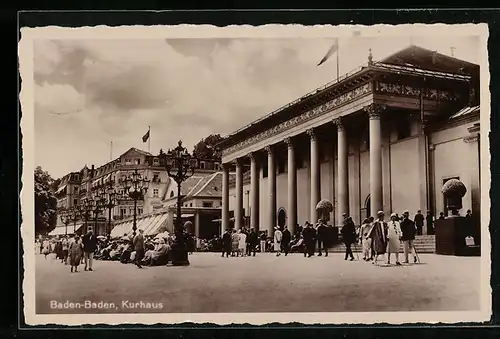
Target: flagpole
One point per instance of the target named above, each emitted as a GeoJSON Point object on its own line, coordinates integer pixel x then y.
{"type": "Point", "coordinates": [111, 151]}
{"type": "Point", "coordinates": [149, 139]}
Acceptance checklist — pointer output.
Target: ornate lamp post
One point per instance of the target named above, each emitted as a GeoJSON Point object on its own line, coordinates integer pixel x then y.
{"type": "Point", "coordinates": [65, 218]}
{"type": "Point", "coordinates": [180, 165]}
{"type": "Point", "coordinates": [74, 215]}
{"type": "Point", "coordinates": [97, 205]}
{"type": "Point", "coordinates": [85, 212]}
{"type": "Point", "coordinates": [135, 186]}
{"type": "Point", "coordinates": [109, 198]}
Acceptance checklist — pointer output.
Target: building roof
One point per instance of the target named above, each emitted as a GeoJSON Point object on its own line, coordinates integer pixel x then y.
{"type": "Point", "coordinates": [412, 60]}
{"type": "Point", "coordinates": [430, 60]}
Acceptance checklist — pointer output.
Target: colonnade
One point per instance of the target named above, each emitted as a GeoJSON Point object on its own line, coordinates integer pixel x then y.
{"type": "Point", "coordinates": [376, 202]}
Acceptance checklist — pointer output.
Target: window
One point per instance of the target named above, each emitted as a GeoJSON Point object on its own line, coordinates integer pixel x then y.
{"type": "Point", "coordinates": [75, 202]}
{"type": "Point", "coordinates": [156, 161]}
{"type": "Point", "coordinates": [202, 165]}
{"type": "Point", "coordinates": [128, 161]}
{"type": "Point", "coordinates": [172, 194]}
{"type": "Point", "coordinates": [137, 161]}
{"type": "Point", "coordinates": [131, 211]}
{"type": "Point", "coordinates": [155, 192]}
{"type": "Point", "coordinates": [156, 177]}
{"type": "Point", "coordinates": [139, 211]}
{"type": "Point", "coordinates": [123, 212]}
{"type": "Point", "coordinates": [208, 204]}
{"type": "Point", "coordinates": [217, 166]}
{"type": "Point", "coordinates": [75, 189]}
{"type": "Point", "coordinates": [191, 205]}
{"type": "Point", "coordinates": [403, 129]}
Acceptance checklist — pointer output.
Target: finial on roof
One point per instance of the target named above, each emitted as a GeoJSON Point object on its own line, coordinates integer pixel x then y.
{"type": "Point", "coordinates": [370, 57]}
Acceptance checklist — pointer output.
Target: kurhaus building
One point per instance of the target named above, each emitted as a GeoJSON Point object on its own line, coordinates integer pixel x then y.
{"type": "Point", "coordinates": [383, 138]}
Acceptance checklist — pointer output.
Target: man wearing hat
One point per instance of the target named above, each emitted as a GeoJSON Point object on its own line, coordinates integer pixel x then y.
{"type": "Point", "coordinates": [349, 237]}
{"type": "Point", "coordinates": [409, 230]}
{"type": "Point", "coordinates": [89, 246]}
{"type": "Point", "coordinates": [378, 234]}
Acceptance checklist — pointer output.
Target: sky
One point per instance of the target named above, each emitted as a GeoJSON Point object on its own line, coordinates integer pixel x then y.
{"type": "Point", "coordinates": [89, 93]}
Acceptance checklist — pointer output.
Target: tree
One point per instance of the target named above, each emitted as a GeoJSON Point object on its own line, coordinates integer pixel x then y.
{"type": "Point", "coordinates": [45, 202]}
{"type": "Point", "coordinates": [206, 148]}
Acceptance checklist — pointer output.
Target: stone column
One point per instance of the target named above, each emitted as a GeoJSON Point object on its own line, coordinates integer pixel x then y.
{"type": "Point", "coordinates": [254, 192]}
{"type": "Point", "coordinates": [225, 197]}
{"type": "Point", "coordinates": [271, 175]}
{"type": "Point", "coordinates": [376, 198]}
{"type": "Point", "coordinates": [238, 210]}
{"type": "Point", "coordinates": [315, 175]}
{"type": "Point", "coordinates": [292, 187]}
{"type": "Point", "coordinates": [197, 224]}
{"type": "Point", "coordinates": [342, 178]}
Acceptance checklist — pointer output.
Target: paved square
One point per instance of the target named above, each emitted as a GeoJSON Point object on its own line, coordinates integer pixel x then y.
{"type": "Point", "coordinates": [265, 283]}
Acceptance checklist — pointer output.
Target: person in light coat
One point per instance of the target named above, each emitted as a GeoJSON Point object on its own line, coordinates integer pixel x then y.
{"type": "Point", "coordinates": [278, 236]}
{"type": "Point", "coordinates": [242, 245]}
{"type": "Point", "coordinates": [394, 235]}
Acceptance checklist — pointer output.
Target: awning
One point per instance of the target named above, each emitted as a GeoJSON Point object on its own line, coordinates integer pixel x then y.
{"type": "Point", "coordinates": [60, 189]}
{"type": "Point", "coordinates": [465, 111]}
{"type": "Point", "coordinates": [149, 224]}
{"type": "Point", "coordinates": [61, 230]}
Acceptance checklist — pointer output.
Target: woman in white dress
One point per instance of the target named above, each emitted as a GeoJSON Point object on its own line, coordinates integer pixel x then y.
{"type": "Point", "coordinates": [278, 236]}
{"type": "Point", "coordinates": [394, 235]}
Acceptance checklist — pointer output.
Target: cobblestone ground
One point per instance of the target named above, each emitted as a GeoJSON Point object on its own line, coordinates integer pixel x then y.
{"type": "Point", "coordinates": [264, 283]}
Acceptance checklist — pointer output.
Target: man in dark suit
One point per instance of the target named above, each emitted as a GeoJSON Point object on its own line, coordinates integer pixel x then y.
{"type": "Point", "coordinates": [408, 229]}
{"type": "Point", "coordinates": [89, 245]}
{"type": "Point", "coordinates": [309, 235]}
{"type": "Point", "coordinates": [349, 236]}
{"type": "Point", "coordinates": [285, 241]}
{"type": "Point", "coordinates": [253, 241]}
{"type": "Point", "coordinates": [138, 243]}
{"type": "Point", "coordinates": [419, 222]}
{"type": "Point", "coordinates": [226, 243]}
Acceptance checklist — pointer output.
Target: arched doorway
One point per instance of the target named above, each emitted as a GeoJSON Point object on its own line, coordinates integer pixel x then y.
{"type": "Point", "coordinates": [281, 218]}
{"type": "Point", "coordinates": [367, 207]}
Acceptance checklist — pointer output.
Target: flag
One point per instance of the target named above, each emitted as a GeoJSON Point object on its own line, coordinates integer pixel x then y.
{"type": "Point", "coordinates": [332, 50]}
{"type": "Point", "coordinates": [145, 137]}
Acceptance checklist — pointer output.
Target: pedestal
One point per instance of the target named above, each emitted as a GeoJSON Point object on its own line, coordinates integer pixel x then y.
{"type": "Point", "coordinates": [451, 234]}
{"type": "Point", "coordinates": [179, 254]}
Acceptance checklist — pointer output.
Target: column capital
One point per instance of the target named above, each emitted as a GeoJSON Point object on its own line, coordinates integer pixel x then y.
{"type": "Point", "coordinates": [269, 149]}
{"type": "Point", "coordinates": [225, 166]}
{"type": "Point", "coordinates": [374, 110]}
{"type": "Point", "coordinates": [339, 123]}
{"type": "Point", "coordinates": [238, 162]}
{"type": "Point", "coordinates": [312, 134]}
{"type": "Point", "coordinates": [289, 142]}
{"type": "Point", "coordinates": [252, 156]}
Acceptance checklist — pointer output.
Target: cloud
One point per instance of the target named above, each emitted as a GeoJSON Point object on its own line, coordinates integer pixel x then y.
{"type": "Point", "coordinates": [182, 88]}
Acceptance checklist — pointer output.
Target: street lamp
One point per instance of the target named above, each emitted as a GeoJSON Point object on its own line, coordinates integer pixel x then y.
{"type": "Point", "coordinates": [109, 197]}
{"type": "Point", "coordinates": [74, 214]}
{"type": "Point", "coordinates": [180, 165]}
{"type": "Point", "coordinates": [65, 218]}
{"type": "Point", "coordinates": [135, 186]}
{"type": "Point", "coordinates": [85, 212]}
{"type": "Point", "coordinates": [97, 205]}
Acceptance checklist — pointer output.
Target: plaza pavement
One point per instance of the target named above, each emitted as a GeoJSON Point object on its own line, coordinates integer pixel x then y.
{"type": "Point", "coordinates": [265, 283]}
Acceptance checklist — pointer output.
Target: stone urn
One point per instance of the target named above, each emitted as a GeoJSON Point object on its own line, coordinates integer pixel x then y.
{"type": "Point", "coordinates": [324, 208]}
{"type": "Point", "coordinates": [453, 191]}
